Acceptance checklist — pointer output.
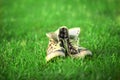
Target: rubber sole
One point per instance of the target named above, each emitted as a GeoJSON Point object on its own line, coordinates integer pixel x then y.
{"type": "Point", "coordinates": [54, 54]}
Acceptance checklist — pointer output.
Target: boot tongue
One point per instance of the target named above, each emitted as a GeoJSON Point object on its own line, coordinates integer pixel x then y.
{"type": "Point", "coordinates": [74, 32]}
{"type": "Point", "coordinates": [52, 35]}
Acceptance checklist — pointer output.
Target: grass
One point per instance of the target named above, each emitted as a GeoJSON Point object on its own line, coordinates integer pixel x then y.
{"type": "Point", "coordinates": [23, 43]}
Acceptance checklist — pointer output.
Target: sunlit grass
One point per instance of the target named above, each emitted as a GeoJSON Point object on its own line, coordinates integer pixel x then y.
{"type": "Point", "coordinates": [23, 43]}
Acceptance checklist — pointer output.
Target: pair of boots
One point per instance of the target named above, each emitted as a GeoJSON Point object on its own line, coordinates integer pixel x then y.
{"type": "Point", "coordinates": [65, 42]}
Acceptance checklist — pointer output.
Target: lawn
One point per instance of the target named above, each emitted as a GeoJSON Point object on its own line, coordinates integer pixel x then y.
{"type": "Point", "coordinates": [23, 43]}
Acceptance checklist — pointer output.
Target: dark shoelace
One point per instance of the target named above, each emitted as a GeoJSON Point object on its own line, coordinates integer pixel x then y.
{"type": "Point", "coordinates": [65, 43]}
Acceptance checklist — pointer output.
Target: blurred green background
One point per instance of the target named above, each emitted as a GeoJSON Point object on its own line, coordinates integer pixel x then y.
{"type": "Point", "coordinates": [23, 43]}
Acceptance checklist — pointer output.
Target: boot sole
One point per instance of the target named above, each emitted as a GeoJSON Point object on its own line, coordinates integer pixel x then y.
{"type": "Point", "coordinates": [54, 54]}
